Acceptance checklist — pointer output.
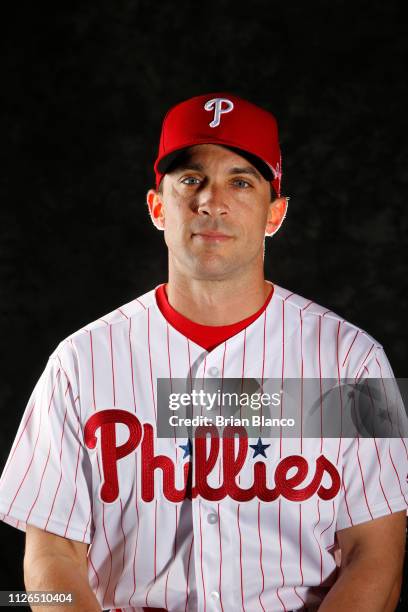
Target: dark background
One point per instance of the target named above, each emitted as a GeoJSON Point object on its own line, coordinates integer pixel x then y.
{"type": "Point", "coordinates": [85, 86]}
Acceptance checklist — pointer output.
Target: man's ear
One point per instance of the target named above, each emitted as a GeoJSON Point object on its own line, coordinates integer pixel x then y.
{"type": "Point", "coordinates": [156, 208]}
{"type": "Point", "coordinates": [276, 214]}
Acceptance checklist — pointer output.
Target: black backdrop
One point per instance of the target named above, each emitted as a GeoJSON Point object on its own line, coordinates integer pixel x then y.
{"type": "Point", "coordinates": [85, 86]}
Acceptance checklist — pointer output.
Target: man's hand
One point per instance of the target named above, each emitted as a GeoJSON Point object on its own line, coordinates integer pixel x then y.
{"type": "Point", "coordinates": [53, 563]}
{"type": "Point", "coordinates": [372, 558]}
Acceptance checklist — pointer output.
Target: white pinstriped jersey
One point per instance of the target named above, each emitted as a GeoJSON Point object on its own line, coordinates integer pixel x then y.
{"type": "Point", "coordinates": [196, 554]}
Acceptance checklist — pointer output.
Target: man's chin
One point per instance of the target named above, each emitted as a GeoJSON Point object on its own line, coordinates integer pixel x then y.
{"type": "Point", "coordinates": [213, 270]}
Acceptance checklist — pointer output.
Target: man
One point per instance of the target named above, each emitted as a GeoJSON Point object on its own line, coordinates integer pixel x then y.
{"type": "Point", "coordinates": [128, 519]}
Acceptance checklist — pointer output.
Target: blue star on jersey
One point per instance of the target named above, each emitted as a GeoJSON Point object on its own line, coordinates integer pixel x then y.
{"type": "Point", "coordinates": [259, 448]}
{"type": "Point", "coordinates": [187, 448]}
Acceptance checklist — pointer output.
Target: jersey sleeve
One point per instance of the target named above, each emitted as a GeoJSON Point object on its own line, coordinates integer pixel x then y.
{"type": "Point", "coordinates": [375, 469]}
{"type": "Point", "coordinates": [46, 481]}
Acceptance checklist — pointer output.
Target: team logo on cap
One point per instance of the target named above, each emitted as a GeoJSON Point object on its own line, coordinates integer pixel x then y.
{"type": "Point", "coordinates": [216, 104]}
{"type": "Point", "coordinates": [277, 171]}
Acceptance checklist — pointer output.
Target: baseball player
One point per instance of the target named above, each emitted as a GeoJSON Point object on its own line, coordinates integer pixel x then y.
{"type": "Point", "coordinates": [128, 520]}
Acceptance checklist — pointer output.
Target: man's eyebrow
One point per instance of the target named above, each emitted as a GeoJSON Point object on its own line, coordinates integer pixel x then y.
{"type": "Point", "coordinates": [235, 170]}
{"type": "Point", "coordinates": [189, 166]}
{"type": "Point", "coordinates": [245, 170]}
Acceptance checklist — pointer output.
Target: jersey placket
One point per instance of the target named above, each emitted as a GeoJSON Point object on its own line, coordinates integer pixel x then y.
{"type": "Point", "coordinates": [212, 521]}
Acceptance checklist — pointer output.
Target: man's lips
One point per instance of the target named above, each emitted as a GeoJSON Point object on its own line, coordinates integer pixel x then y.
{"type": "Point", "coordinates": [212, 236]}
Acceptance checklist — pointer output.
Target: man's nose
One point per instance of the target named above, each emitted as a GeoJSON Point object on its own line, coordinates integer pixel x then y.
{"type": "Point", "coordinates": [211, 201]}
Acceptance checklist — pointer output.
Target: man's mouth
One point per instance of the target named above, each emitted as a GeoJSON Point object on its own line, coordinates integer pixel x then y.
{"type": "Point", "coordinates": [212, 236]}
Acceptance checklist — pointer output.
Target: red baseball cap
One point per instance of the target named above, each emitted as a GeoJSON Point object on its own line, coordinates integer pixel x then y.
{"type": "Point", "coordinates": [223, 119]}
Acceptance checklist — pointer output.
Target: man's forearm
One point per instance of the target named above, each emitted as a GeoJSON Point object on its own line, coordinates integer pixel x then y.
{"type": "Point", "coordinates": [61, 574]}
{"type": "Point", "coordinates": [363, 586]}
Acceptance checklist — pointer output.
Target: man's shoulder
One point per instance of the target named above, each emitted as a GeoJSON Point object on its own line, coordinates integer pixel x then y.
{"type": "Point", "coordinates": [306, 309]}
{"type": "Point", "coordinates": [126, 315]}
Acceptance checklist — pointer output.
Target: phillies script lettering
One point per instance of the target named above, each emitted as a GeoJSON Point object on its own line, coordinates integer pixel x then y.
{"type": "Point", "coordinates": [285, 485]}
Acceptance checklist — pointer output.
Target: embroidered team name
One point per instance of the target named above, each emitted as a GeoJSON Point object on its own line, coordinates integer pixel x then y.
{"type": "Point", "coordinates": [285, 485]}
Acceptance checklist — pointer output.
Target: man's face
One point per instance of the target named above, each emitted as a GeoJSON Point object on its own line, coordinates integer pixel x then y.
{"type": "Point", "coordinates": [215, 208]}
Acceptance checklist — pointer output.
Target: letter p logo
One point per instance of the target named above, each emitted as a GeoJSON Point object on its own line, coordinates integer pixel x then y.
{"type": "Point", "coordinates": [216, 104]}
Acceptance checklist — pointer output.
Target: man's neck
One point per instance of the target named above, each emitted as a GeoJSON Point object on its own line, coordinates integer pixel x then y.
{"type": "Point", "coordinates": [217, 302]}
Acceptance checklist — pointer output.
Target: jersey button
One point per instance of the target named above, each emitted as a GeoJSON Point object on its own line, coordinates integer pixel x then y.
{"type": "Point", "coordinates": [213, 371]}
{"type": "Point", "coordinates": [212, 518]}
{"type": "Point", "coordinates": [215, 594]}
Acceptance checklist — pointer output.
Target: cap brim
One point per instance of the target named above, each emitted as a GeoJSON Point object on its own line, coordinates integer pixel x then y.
{"type": "Point", "coordinates": [169, 162]}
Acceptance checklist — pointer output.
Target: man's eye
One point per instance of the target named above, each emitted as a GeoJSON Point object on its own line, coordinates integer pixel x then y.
{"type": "Point", "coordinates": [190, 180]}
{"type": "Point", "coordinates": [242, 183]}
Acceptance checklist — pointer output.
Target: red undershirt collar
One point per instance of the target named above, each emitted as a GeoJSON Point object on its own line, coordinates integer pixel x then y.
{"type": "Point", "coordinates": [207, 336]}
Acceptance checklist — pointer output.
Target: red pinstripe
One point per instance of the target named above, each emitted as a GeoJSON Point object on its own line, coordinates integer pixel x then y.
{"type": "Point", "coordinates": [136, 471]}
{"type": "Point", "coordinates": [174, 557]}
{"type": "Point", "coordinates": [362, 365]}
{"type": "Point", "coordinates": [349, 349]}
{"type": "Point", "coordinates": [280, 556]}
{"type": "Point", "coordinates": [242, 387]}
{"type": "Point", "coordinates": [300, 543]}
{"type": "Point", "coordinates": [379, 476]}
{"type": "Point", "coordinates": [176, 463]}
{"type": "Point", "coordinates": [124, 549]}
{"type": "Point", "coordinates": [243, 359]}
{"type": "Point", "coordinates": [376, 448]}
{"type": "Point", "coordinates": [35, 446]}
{"type": "Point", "coordinates": [386, 399]}
{"type": "Point", "coordinates": [240, 558]}
{"type": "Point", "coordinates": [137, 534]}
{"type": "Point", "coordinates": [260, 556]}
{"type": "Point", "coordinates": [154, 555]}
{"type": "Point", "coordinates": [93, 371]}
{"type": "Point", "coordinates": [141, 303]}
{"type": "Point", "coordinates": [362, 477]}
{"type": "Point", "coordinates": [263, 362]}
{"type": "Point", "coordinates": [219, 535]}
{"type": "Point", "coordinates": [18, 441]}
{"type": "Point", "coordinates": [86, 527]}
{"type": "Point", "coordinates": [340, 391]}
{"type": "Point", "coordinates": [283, 371]}
{"type": "Point", "coordinates": [60, 456]}
{"type": "Point", "coordinates": [223, 357]}
{"type": "Point", "coordinates": [188, 573]}
{"type": "Point", "coordinates": [384, 389]}
{"type": "Point", "coordinates": [320, 381]}
{"type": "Point", "coordinates": [264, 345]}
{"type": "Point", "coordinates": [345, 497]}
{"type": "Point", "coordinates": [201, 557]}
{"type": "Point", "coordinates": [317, 541]}
{"type": "Point", "coordinates": [39, 488]}
{"type": "Point", "coordinates": [131, 364]}
{"type": "Point", "coordinates": [222, 388]}
{"type": "Point", "coordinates": [113, 369]}
{"type": "Point", "coordinates": [122, 313]}
{"type": "Point", "coordinates": [168, 356]}
{"type": "Point", "coordinates": [150, 363]}
{"type": "Point", "coordinates": [110, 554]}
{"type": "Point", "coordinates": [395, 470]}
{"type": "Point", "coordinates": [301, 378]}
{"type": "Point", "coordinates": [307, 305]}
{"type": "Point", "coordinates": [328, 526]}
{"type": "Point", "coordinates": [402, 439]}
{"type": "Point", "coordinates": [76, 486]}
{"type": "Point", "coordinates": [95, 572]}
{"type": "Point", "coordinates": [189, 364]}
